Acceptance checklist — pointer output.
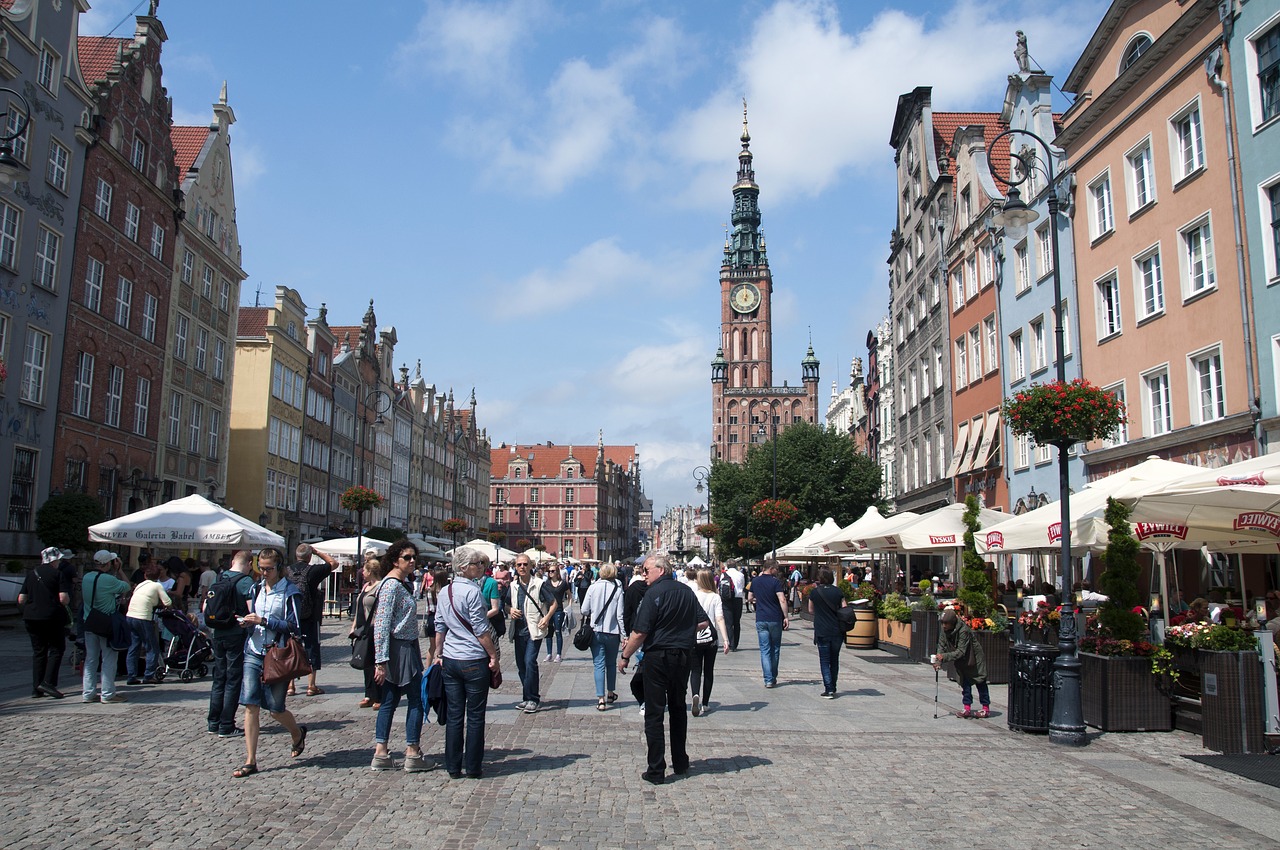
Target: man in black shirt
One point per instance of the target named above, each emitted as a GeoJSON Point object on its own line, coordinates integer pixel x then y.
{"type": "Point", "coordinates": [666, 625]}
{"type": "Point", "coordinates": [310, 579]}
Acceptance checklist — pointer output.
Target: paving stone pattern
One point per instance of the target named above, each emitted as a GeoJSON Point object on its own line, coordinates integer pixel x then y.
{"type": "Point", "coordinates": [771, 768]}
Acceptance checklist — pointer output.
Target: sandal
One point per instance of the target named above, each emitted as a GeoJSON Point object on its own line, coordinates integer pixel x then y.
{"type": "Point", "coordinates": [315, 691]}
{"type": "Point", "coordinates": [600, 704]}
{"type": "Point", "coordinates": [292, 692]}
{"type": "Point", "coordinates": [244, 770]}
{"type": "Point", "coordinates": [300, 744]}
{"type": "Point", "coordinates": [612, 697]}
{"type": "Point", "coordinates": [365, 703]}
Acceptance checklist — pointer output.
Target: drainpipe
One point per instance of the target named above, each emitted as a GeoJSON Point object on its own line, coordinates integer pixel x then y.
{"type": "Point", "coordinates": [1212, 66]}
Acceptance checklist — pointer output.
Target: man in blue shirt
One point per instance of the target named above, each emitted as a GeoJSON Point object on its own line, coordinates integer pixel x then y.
{"type": "Point", "coordinates": [771, 618]}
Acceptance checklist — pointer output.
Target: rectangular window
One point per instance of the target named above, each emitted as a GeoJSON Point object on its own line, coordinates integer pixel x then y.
{"type": "Point", "coordinates": [188, 265]}
{"type": "Point", "coordinates": [181, 327]}
{"type": "Point", "coordinates": [195, 425]}
{"type": "Point", "coordinates": [14, 118]}
{"type": "Point", "coordinates": [935, 290]}
{"type": "Point", "coordinates": [82, 388]}
{"type": "Point", "coordinates": [1159, 410]}
{"type": "Point", "coordinates": [1044, 252]}
{"type": "Point", "coordinates": [1150, 284]}
{"type": "Point", "coordinates": [224, 295]}
{"type": "Point", "coordinates": [273, 436]}
{"type": "Point", "coordinates": [975, 355]}
{"type": "Point", "coordinates": [1142, 185]}
{"type": "Point", "coordinates": [48, 245]}
{"type": "Point", "coordinates": [957, 290]}
{"type": "Point", "coordinates": [1103, 217]}
{"type": "Point", "coordinates": [535, 519]}
{"type": "Point", "coordinates": [1023, 266]}
{"type": "Point", "coordinates": [1206, 372]}
{"type": "Point", "coordinates": [1017, 357]}
{"type": "Point", "coordinates": [138, 154]}
{"type": "Point", "coordinates": [22, 489]}
{"type": "Point", "coordinates": [55, 172]}
{"type": "Point", "coordinates": [93, 284]}
{"type": "Point", "coordinates": [914, 385]}
{"type": "Point", "coordinates": [202, 347]}
{"type": "Point", "coordinates": [1268, 56]}
{"type": "Point", "coordinates": [124, 301]}
{"type": "Point", "coordinates": [970, 277]}
{"type": "Point", "coordinates": [986, 266]}
{"type": "Point", "coordinates": [1039, 354]}
{"type": "Point", "coordinates": [1066, 331]}
{"type": "Point", "coordinates": [1189, 142]}
{"type": "Point", "coordinates": [568, 520]}
{"type": "Point", "coordinates": [924, 378]}
{"type": "Point", "coordinates": [962, 363]}
{"type": "Point", "coordinates": [219, 357]}
{"type": "Point", "coordinates": [10, 218]}
{"type": "Point", "coordinates": [1043, 454]}
{"type": "Point", "coordinates": [175, 419]}
{"type": "Point", "coordinates": [1109, 322]}
{"type": "Point", "coordinates": [1122, 435]}
{"type": "Point", "coordinates": [533, 495]}
{"type": "Point", "coordinates": [206, 288]}
{"type": "Point", "coordinates": [35, 362]}
{"type": "Point", "coordinates": [1021, 451]}
{"type": "Point", "coordinates": [157, 241]}
{"type": "Point", "coordinates": [1273, 197]}
{"type": "Point", "coordinates": [115, 396]}
{"type": "Point", "coordinates": [142, 407]}
{"type": "Point", "coordinates": [47, 73]}
{"type": "Point", "coordinates": [102, 200]}
{"type": "Point", "coordinates": [991, 344]}
{"type": "Point", "coordinates": [1197, 257]}
{"type": "Point", "coordinates": [937, 366]}
{"type": "Point", "coordinates": [150, 306]}
{"type": "Point", "coordinates": [277, 380]}
{"type": "Point", "coordinates": [132, 219]}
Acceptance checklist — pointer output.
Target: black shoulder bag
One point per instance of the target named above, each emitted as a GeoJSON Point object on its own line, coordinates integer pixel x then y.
{"type": "Point", "coordinates": [586, 632]}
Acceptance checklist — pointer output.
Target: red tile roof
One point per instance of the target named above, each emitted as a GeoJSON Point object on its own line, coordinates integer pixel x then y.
{"type": "Point", "coordinates": [945, 125]}
{"type": "Point", "coordinates": [546, 459]}
{"type": "Point", "coordinates": [187, 142]}
{"type": "Point", "coordinates": [98, 55]}
{"type": "Point", "coordinates": [349, 334]}
{"type": "Point", "coordinates": [253, 323]}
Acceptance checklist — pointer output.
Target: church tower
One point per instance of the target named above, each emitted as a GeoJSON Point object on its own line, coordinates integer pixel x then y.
{"type": "Point", "coordinates": [746, 407]}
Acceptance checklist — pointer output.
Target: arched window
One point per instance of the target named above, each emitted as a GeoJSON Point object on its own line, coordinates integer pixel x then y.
{"type": "Point", "coordinates": [1137, 46]}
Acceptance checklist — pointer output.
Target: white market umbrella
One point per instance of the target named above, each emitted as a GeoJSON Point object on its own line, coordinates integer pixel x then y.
{"type": "Point", "coordinates": [498, 554]}
{"type": "Point", "coordinates": [351, 546]}
{"type": "Point", "coordinates": [845, 539]}
{"type": "Point", "coordinates": [192, 521]}
{"type": "Point", "coordinates": [696, 561]}
{"type": "Point", "coordinates": [872, 530]}
{"type": "Point", "coordinates": [426, 548]}
{"type": "Point", "coordinates": [809, 545]}
{"type": "Point", "coordinates": [537, 557]}
{"type": "Point", "coordinates": [937, 531]}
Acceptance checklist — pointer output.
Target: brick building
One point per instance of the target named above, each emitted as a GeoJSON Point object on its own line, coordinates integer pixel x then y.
{"type": "Point", "coordinates": [113, 360]}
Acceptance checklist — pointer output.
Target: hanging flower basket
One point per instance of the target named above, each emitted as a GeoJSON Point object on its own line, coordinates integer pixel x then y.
{"type": "Point", "coordinates": [708, 530]}
{"type": "Point", "coordinates": [775, 511]}
{"type": "Point", "coordinates": [454, 525]}
{"type": "Point", "coordinates": [1060, 413]}
{"type": "Point", "coordinates": [359, 499]}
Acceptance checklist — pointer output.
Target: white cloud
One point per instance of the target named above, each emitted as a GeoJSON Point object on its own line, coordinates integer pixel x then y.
{"type": "Point", "coordinates": [822, 99]}
{"type": "Point", "coordinates": [469, 41]}
{"type": "Point", "coordinates": [661, 371]}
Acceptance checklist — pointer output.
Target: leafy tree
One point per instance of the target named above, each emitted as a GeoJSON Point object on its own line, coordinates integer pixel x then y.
{"type": "Point", "coordinates": [818, 471]}
{"type": "Point", "coordinates": [975, 591]}
{"type": "Point", "coordinates": [1119, 581]}
{"type": "Point", "coordinates": [64, 520]}
{"type": "Point", "coordinates": [385, 534]}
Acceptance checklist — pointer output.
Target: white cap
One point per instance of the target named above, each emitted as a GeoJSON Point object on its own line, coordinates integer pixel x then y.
{"type": "Point", "coordinates": [104, 556]}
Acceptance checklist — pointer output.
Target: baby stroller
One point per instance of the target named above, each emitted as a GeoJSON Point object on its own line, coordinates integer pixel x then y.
{"type": "Point", "coordinates": [189, 651]}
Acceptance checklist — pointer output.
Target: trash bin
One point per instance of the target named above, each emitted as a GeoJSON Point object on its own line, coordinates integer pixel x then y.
{"type": "Point", "coordinates": [1031, 686]}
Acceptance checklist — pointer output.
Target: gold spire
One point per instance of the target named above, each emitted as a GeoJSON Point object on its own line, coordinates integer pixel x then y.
{"type": "Point", "coordinates": [746, 136]}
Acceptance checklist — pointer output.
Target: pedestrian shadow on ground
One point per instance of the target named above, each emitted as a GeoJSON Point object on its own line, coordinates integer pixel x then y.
{"type": "Point", "coordinates": [500, 762]}
{"type": "Point", "coordinates": [734, 764]}
{"type": "Point", "coordinates": [861, 692]}
{"type": "Point", "coordinates": [754, 705]}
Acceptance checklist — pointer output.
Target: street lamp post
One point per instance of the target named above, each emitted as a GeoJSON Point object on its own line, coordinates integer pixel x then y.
{"type": "Point", "coordinates": [381, 404]}
{"type": "Point", "coordinates": [1067, 723]}
{"type": "Point", "coordinates": [773, 424]}
{"type": "Point", "coordinates": [703, 476]}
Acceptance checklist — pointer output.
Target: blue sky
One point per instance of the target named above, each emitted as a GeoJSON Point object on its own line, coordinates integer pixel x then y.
{"type": "Point", "coordinates": [535, 192]}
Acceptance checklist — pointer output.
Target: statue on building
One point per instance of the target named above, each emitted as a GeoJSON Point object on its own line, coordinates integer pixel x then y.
{"type": "Point", "coordinates": [1021, 55]}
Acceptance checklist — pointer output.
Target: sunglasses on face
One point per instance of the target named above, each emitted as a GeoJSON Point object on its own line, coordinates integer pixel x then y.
{"type": "Point", "coordinates": [408, 557]}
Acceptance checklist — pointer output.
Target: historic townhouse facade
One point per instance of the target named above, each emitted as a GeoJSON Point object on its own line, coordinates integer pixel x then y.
{"type": "Point", "coordinates": [1165, 313]}
{"type": "Point", "coordinates": [576, 501]}
{"type": "Point", "coordinates": [847, 409]}
{"type": "Point", "coordinates": [921, 140]}
{"type": "Point", "coordinates": [746, 407]}
{"type": "Point", "coordinates": [881, 421]}
{"type": "Point", "coordinates": [48, 102]}
{"type": "Point", "coordinates": [113, 351]}
{"type": "Point", "coordinates": [1253, 32]}
{"type": "Point", "coordinates": [205, 280]}
{"type": "Point", "coordinates": [314, 495]}
{"type": "Point", "coordinates": [971, 260]}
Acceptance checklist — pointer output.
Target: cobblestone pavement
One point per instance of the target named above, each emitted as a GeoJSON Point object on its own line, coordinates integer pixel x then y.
{"type": "Point", "coordinates": [771, 768]}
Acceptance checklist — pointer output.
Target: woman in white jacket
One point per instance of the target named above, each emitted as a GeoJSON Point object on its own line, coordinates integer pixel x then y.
{"type": "Point", "coordinates": [702, 670]}
{"type": "Point", "coordinates": [602, 608]}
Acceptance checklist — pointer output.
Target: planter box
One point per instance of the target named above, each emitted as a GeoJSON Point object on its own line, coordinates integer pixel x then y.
{"type": "Point", "coordinates": [1231, 701]}
{"type": "Point", "coordinates": [1121, 694]}
{"type": "Point", "coordinates": [924, 635]}
{"type": "Point", "coordinates": [895, 633]}
{"type": "Point", "coordinates": [995, 650]}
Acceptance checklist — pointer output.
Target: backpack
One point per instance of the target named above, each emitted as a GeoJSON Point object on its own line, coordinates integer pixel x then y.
{"type": "Point", "coordinates": [727, 593]}
{"type": "Point", "coordinates": [224, 601]}
{"type": "Point", "coordinates": [297, 573]}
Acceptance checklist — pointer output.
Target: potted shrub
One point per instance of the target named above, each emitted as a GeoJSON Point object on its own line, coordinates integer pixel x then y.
{"type": "Point", "coordinates": [894, 624]}
{"type": "Point", "coordinates": [1040, 625]}
{"type": "Point", "coordinates": [1123, 681]}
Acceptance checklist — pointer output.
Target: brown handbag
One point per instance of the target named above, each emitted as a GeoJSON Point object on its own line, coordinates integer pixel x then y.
{"type": "Point", "coordinates": [286, 660]}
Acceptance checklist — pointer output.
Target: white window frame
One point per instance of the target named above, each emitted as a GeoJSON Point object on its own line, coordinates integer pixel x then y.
{"type": "Point", "coordinates": [138, 154]}
{"type": "Point", "coordinates": [1017, 357]}
{"type": "Point", "coordinates": [141, 406]}
{"type": "Point", "coordinates": [115, 396]}
{"type": "Point", "coordinates": [219, 357]}
{"type": "Point", "coordinates": [1109, 283]}
{"type": "Point", "coordinates": [157, 241]}
{"type": "Point", "coordinates": [49, 69]}
{"type": "Point", "coordinates": [1021, 451]}
{"type": "Point", "coordinates": [1214, 393]}
{"type": "Point", "coordinates": [35, 364]}
{"type": "Point", "coordinates": [195, 426]}
{"type": "Point", "coordinates": [975, 354]}
{"type": "Point", "coordinates": [175, 419]}
{"type": "Point", "coordinates": [1138, 162]}
{"type": "Point", "coordinates": [201, 347]}
{"type": "Point", "coordinates": [1044, 251]}
{"type": "Point", "coordinates": [82, 385]}
{"type": "Point", "coordinates": [991, 344]}
{"type": "Point", "coordinates": [19, 143]}
{"type": "Point", "coordinates": [1122, 436]}
{"type": "Point", "coordinates": [102, 199]}
{"type": "Point", "coordinates": [206, 283]}
{"type": "Point", "coordinates": [1143, 279]}
{"type": "Point", "coordinates": [44, 272]}
{"type": "Point", "coordinates": [150, 309]}
{"type": "Point", "coordinates": [93, 274]}
{"type": "Point", "coordinates": [1102, 210]}
{"type": "Point", "coordinates": [10, 230]}
{"type": "Point", "coordinates": [124, 301]}
{"type": "Point", "coordinates": [962, 362]}
{"type": "Point", "coordinates": [132, 220]}
{"type": "Point", "coordinates": [1203, 229]}
{"type": "Point", "coordinates": [1150, 426]}
{"type": "Point", "coordinates": [188, 265]}
{"type": "Point", "coordinates": [1182, 170]}
{"type": "Point", "coordinates": [1252, 71]}
{"type": "Point", "coordinates": [58, 165]}
{"type": "Point", "coordinates": [1039, 345]}
{"type": "Point", "coordinates": [181, 329]}
{"type": "Point", "coordinates": [1022, 266]}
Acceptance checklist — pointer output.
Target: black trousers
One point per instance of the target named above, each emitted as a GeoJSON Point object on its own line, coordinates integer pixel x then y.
{"type": "Point", "coordinates": [228, 674]}
{"type": "Point", "coordinates": [702, 670]}
{"type": "Point", "coordinates": [735, 627]}
{"type": "Point", "coordinates": [666, 680]}
{"type": "Point", "coordinates": [48, 643]}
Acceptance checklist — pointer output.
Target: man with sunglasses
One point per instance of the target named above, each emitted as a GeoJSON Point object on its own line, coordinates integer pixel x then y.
{"type": "Point", "coordinates": [666, 625]}
{"type": "Point", "coordinates": [532, 606]}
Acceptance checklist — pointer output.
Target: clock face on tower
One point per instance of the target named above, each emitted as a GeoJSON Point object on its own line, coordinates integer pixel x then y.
{"type": "Point", "coordinates": [744, 298]}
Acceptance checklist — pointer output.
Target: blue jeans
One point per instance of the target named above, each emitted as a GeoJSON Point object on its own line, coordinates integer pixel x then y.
{"type": "Point", "coordinates": [527, 665]}
{"type": "Point", "coordinates": [966, 691]}
{"type": "Point", "coordinates": [604, 652]}
{"type": "Point", "coordinates": [770, 636]}
{"type": "Point", "coordinates": [145, 640]}
{"type": "Point", "coordinates": [413, 720]}
{"type": "Point", "coordinates": [466, 688]}
{"type": "Point", "coordinates": [228, 671]}
{"type": "Point", "coordinates": [97, 650]}
{"type": "Point", "coordinates": [557, 632]}
{"type": "Point", "coordinates": [829, 661]}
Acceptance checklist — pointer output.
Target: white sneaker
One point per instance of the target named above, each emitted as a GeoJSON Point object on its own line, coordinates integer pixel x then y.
{"type": "Point", "coordinates": [520, 705]}
{"type": "Point", "coordinates": [557, 658]}
{"type": "Point", "coordinates": [548, 659]}
{"type": "Point", "coordinates": [642, 711]}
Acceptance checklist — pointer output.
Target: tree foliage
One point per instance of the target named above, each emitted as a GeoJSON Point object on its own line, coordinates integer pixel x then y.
{"type": "Point", "coordinates": [818, 471]}
{"type": "Point", "coordinates": [975, 590]}
{"type": "Point", "coordinates": [385, 534]}
{"type": "Point", "coordinates": [1119, 581]}
{"type": "Point", "coordinates": [64, 520]}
